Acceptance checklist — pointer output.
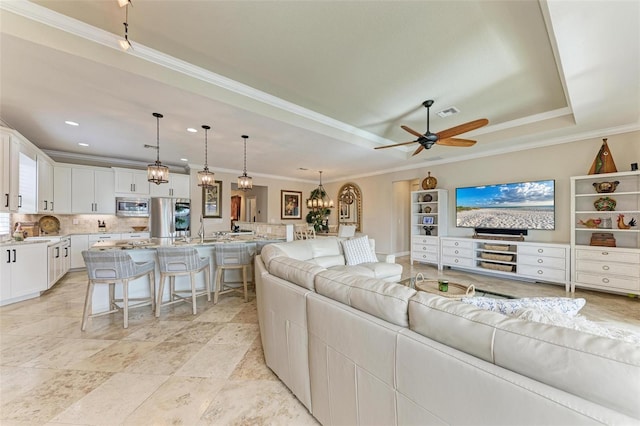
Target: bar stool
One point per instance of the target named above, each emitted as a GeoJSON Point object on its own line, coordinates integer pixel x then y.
{"type": "Point", "coordinates": [175, 261]}
{"type": "Point", "coordinates": [232, 256]}
{"type": "Point", "coordinates": [112, 267]}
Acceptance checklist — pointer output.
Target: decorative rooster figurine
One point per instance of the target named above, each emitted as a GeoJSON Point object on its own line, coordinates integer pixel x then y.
{"type": "Point", "coordinates": [591, 223]}
{"type": "Point", "coordinates": [621, 223]}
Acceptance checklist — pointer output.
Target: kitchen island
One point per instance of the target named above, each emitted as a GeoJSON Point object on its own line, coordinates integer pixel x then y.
{"type": "Point", "coordinates": [144, 250]}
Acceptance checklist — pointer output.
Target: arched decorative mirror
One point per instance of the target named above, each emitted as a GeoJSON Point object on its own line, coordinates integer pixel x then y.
{"type": "Point", "coordinates": [350, 205]}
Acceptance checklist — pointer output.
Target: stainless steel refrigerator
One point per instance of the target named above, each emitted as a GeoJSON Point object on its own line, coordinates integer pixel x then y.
{"type": "Point", "coordinates": [169, 217]}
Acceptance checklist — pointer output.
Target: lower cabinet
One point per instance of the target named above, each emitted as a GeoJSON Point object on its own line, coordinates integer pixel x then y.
{"type": "Point", "coordinates": [606, 268]}
{"type": "Point", "coordinates": [59, 260]}
{"type": "Point", "coordinates": [23, 271]}
{"type": "Point", "coordinates": [545, 262]}
{"type": "Point", "coordinates": [425, 249]}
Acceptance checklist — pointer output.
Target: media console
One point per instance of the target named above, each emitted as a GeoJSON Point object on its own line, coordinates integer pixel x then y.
{"type": "Point", "coordinates": [530, 261]}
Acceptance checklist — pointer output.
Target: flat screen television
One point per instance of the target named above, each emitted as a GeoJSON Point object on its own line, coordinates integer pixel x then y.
{"type": "Point", "coordinates": [519, 205]}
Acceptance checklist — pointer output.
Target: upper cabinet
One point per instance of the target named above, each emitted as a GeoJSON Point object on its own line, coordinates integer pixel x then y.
{"type": "Point", "coordinates": [178, 187]}
{"type": "Point", "coordinates": [27, 182]}
{"type": "Point", "coordinates": [45, 184]}
{"type": "Point", "coordinates": [92, 190]}
{"type": "Point", "coordinates": [62, 188]}
{"type": "Point", "coordinates": [131, 182]}
{"type": "Point", "coordinates": [10, 160]}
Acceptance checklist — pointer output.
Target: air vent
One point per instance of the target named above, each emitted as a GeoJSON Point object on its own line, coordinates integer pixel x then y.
{"type": "Point", "coordinates": [448, 111]}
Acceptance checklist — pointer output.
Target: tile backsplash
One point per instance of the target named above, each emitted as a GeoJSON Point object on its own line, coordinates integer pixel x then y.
{"type": "Point", "coordinates": [85, 223]}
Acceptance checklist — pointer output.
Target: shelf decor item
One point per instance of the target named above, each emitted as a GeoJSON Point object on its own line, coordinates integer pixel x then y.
{"type": "Point", "coordinates": [603, 163]}
{"type": "Point", "coordinates": [426, 209]}
{"type": "Point", "coordinates": [429, 182]}
{"type": "Point", "coordinates": [606, 187]}
{"type": "Point", "coordinates": [427, 198]}
{"type": "Point", "coordinates": [602, 239]}
{"type": "Point", "coordinates": [605, 204]}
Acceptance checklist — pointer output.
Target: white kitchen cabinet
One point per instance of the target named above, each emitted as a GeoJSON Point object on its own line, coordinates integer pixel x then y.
{"type": "Point", "coordinates": [134, 236]}
{"type": "Point", "coordinates": [59, 260]}
{"type": "Point", "coordinates": [177, 187]}
{"type": "Point", "coordinates": [45, 184]}
{"type": "Point", "coordinates": [131, 182]}
{"type": "Point", "coordinates": [28, 183]}
{"type": "Point", "coordinates": [92, 190]}
{"type": "Point", "coordinates": [9, 184]}
{"type": "Point", "coordinates": [23, 271]}
{"type": "Point", "coordinates": [79, 243]}
{"type": "Point", "coordinates": [62, 189]}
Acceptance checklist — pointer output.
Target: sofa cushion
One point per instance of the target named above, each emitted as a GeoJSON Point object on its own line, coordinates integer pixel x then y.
{"type": "Point", "coordinates": [328, 261]}
{"type": "Point", "coordinates": [326, 246]}
{"type": "Point", "coordinates": [296, 271]}
{"type": "Point", "coordinates": [358, 250]}
{"type": "Point", "coordinates": [299, 249]}
{"type": "Point", "coordinates": [381, 299]}
{"type": "Point", "coordinates": [562, 305]}
{"type": "Point", "coordinates": [459, 325]}
{"type": "Point", "coordinates": [269, 252]}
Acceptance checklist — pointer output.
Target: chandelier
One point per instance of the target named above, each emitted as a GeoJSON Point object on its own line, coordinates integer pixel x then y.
{"type": "Point", "coordinates": [205, 177]}
{"type": "Point", "coordinates": [245, 182]}
{"type": "Point", "coordinates": [157, 173]}
{"type": "Point", "coordinates": [319, 199]}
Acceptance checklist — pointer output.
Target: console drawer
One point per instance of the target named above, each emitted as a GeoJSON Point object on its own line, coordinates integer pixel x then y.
{"type": "Point", "coordinates": [457, 243]}
{"type": "Point", "coordinates": [608, 256]}
{"type": "Point", "coordinates": [457, 252]}
{"type": "Point", "coordinates": [540, 261]}
{"type": "Point", "coordinates": [609, 268]}
{"type": "Point", "coordinates": [546, 274]}
{"type": "Point", "coordinates": [424, 248]}
{"type": "Point", "coordinates": [542, 251]}
{"type": "Point", "coordinates": [424, 257]}
{"type": "Point", "coordinates": [424, 240]}
{"type": "Point", "coordinates": [608, 281]}
{"type": "Point", "coordinates": [458, 261]}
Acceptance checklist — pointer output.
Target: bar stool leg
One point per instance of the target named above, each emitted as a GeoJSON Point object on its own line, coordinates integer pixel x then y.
{"type": "Point", "coordinates": [152, 290]}
{"type": "Point", "coordinates": [207, 280]}
{"type": "Point", "coordinates": [125, 300]}
{"type": "Point", "coordinates": [160, 294]}
{"type": "Point", "coordinates": [87, 305]}
{"type": "Point", "coordinates": [112, 296]}
{"type": "Point", "coordinates": [244, 282]}
{"type": "Point", "coordinates": [219, 278]}
{"type": "Point", "coordinates": [192, 277]}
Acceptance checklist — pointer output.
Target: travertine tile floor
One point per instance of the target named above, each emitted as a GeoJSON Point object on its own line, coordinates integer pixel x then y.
{"type": "Point", "coordinates": [178, 369]}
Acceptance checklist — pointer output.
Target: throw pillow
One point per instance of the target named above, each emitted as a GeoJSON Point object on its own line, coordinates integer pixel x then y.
{"type": "Point", "coordinates": [562, 305]}
{"type": "Point", "coordinates": [358, 250]}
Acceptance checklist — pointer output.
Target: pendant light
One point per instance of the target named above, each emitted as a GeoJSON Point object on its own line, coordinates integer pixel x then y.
{"type": "Point", "coordinates": [125, 44]}
{"type": "Point", "coordinates": [245, 182]}
{"type": "Point", "coordinates": [319, 198]}
{"type": "Point", "coordinates": [205, 177]}
{"type": "Point", "coordinates": [157, 173]}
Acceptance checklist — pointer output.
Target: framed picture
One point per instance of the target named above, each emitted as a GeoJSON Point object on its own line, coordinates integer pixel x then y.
{"type": "Point", "coordinates": [290, 204]}
{"type": "Point", "coordinates": [427, 220]}
{"type": "Point", "coordinates": [212, 200]}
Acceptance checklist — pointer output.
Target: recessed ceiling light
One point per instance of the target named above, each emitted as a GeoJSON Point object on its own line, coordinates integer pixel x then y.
{"type": "Point", "coordinates": [71, 123]}
{"type": "Point", "coordinates": [83, 144]}
{"type": "Point", "coordinates": [184, 159]}
{"type": "Point", "coordinates": [191, 130]}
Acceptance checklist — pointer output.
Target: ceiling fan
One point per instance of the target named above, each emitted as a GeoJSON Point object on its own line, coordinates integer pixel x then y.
{"type": "Point", "coordinates": [445, 137]}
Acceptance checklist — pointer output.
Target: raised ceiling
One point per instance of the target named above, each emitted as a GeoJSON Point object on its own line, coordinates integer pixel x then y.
{"type": "Point", "coordinates": [317, 85]}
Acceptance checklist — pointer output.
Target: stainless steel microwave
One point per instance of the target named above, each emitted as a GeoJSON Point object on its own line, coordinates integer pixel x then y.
{"type": "Point", "coordinates": [132, 207]}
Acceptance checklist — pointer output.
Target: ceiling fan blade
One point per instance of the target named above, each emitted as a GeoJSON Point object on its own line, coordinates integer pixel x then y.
{"type": "Point", "coordinates": [410, 130]}
{"type": "Point", "coordinates": [462, 128]}
{"type": "Point", "coordinates": [395, 144]}
{"type": "Point", "coordinates": [418, 151]}
{"type": "Point", "coordinates": [456, 142]}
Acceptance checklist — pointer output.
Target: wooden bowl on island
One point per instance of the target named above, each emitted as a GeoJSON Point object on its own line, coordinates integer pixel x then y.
{"type": "Point", "coordinates": [139, 228]}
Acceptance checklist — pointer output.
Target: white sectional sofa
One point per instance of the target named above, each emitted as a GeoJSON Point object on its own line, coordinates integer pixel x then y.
{"type": "Point", "coordinates": [357, 350]}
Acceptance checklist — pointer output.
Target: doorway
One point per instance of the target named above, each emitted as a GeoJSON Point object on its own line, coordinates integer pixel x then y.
{"type": "Point", "coordinates": [252, 203]}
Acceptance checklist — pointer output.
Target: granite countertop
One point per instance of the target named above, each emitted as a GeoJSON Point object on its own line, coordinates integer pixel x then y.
{"type": "Point", "coordinates": [153, 243]}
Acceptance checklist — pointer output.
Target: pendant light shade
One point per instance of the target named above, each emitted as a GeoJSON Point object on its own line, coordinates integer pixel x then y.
{"type": "Point", "coordinates": [245, 182]}
{"type": "Point", "coordinates": [157, 173]}
{"type": "Point", "coordinates": [205, 177]}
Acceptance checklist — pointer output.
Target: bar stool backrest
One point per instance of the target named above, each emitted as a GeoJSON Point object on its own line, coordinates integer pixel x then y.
{"type": "Point", "coordinates": [176, 259]}
{"type": "Point", "coordinates": [106, 264]}
{"type": "Point", "coordinates": [234, 253]}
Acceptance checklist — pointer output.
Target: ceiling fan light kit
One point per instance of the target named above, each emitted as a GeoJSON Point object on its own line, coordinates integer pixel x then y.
{"type": "Point", "coordinates": [445, 137]}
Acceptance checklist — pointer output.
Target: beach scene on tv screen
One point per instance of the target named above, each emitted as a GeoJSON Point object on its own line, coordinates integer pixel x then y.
{"type": "Point", "coordinates": [522, 205]}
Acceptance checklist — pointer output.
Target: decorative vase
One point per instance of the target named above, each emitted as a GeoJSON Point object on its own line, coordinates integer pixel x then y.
{"type": "Point", "coordinates": [427, 197]}
{"type": "Point", "coordinates": [429, 182]}
{"type": "Point", "coordinates": [604, 187]}
{"type": "Point", "coordinates": [605, 204]}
